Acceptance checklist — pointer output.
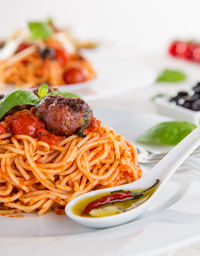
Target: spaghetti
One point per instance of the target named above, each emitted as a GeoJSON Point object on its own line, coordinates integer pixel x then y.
{"type": "Point", "coordinates": [36, 176]}
{"type": "Point", "coordinates": [31, 70]}
{"type": "Point", "coordinates": [55, 60]}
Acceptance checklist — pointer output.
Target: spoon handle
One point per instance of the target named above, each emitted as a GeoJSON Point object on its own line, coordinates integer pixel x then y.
{"type": "Point", "coordinates": [169, 164]}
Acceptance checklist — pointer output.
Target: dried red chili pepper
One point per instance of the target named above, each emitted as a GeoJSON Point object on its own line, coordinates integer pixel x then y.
{"type": "Point", "coordinates": [114, 197]}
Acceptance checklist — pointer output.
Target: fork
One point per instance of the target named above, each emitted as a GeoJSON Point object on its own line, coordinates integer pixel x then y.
{"type": "Point", "coordinates": [149, 157]}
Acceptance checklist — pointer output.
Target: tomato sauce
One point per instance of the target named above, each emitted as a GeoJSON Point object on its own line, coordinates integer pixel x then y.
{"type": "Point", "coordinates": [48, 137]}
{"type": "Point", "coordinates": [25, 123]}
{"type": "Point", "coordinates": [95, 125]}
{"type": "Point", "coordinates": [2, 129]}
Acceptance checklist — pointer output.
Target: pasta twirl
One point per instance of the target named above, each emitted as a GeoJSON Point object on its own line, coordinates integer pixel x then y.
{"type": "Point", "coordinates": [36, 176]}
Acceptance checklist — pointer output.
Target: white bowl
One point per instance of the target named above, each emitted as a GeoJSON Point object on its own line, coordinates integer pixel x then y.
{"type": "Point", "coordinates": [164, 107]}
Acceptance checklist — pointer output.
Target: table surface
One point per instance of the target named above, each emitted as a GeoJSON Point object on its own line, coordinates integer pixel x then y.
{"type": "Point", "coordinates": [140, 101]}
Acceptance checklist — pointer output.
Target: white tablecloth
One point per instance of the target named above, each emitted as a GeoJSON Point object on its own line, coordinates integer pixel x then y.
{"type": "Point", "coordinates": [140, 101]}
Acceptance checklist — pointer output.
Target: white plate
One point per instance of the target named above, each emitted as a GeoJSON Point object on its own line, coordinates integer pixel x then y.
{"type": "Point", "coordinates": [133, 124]}
{"type": "Point", "coordinates": [172, 222]}
{"type": "Point", "coordinates": [165, 107]}
{"type": "Point", "coordinates": [116, 74]}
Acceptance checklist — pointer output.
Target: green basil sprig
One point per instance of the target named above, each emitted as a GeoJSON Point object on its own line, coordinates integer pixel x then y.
{"type": "Point", "coordinates": [170, 75]}
{"type": "Point", "coordinates": [39, 30]}
{"type": "Point", "coordinates": [166, 133]}
{"type": "Point", "coordinates": [49, 21]}
{"type": "Point", "coordinates": [65, 94]}
{"type": "Point", "coordinates": [19, 97]}
{"type": "Point", "coordinates": [43, 91]}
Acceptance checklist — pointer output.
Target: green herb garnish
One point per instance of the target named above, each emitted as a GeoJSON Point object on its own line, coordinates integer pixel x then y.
{"type": "Point", "coordinates": [42, 91]}
{"type": "Point", "coordinates": [22, 97]}
{"type": "Point", "coordinates": [39, 30]}
{"type": "Point", "coordinates": [65, 94]}
{"type": "Point", "coordinates": [19, 97]}
{"type": "Point", "coordinates": [170, 75]}
{"type": "Point", "coordinates": [167, 133]}
{"type": "Point", "coordinates": [50, 20]}
{"type": "Point", "coordinates": [159, 95]}
{"type": "Point", "coordinates": [52, 182]}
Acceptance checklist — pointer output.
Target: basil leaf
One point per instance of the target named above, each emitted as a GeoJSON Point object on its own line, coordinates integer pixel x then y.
{"type": "Point", "coordinates": [19, 97]}
{"type": "Point", "coordinates": [49, 21]}
{"type": "Point", "coordinates": [42, 91]}
{"type": "Point", "coordinates": [167, 133]}
{"type": "Point", "coordinates": [159, 95]}
{"type": "Point", "coordinates": [65, 94]}
{"type": "Point", "coordinates": [39, 30]}
{"type": "Point", "coordinates": [169, 75]}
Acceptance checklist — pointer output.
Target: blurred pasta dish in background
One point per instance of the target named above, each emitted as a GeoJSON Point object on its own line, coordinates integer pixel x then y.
{"type": "Point", "coordinates": [44, 53]}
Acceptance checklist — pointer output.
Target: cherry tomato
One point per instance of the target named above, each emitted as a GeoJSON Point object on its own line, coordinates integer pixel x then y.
{"type": "Point", "coordinates": [192, 46]}
{"type": "Point", "coordinates": [23, 46]}
{"type": "Point", "coordinates": [62, 56]}
{"type": "Point", "coordinates": [184, 51]}
{"type": "Point", "coordinates": [196, 54]}
{"type": "Point", "coordinates": [172, 48]}
{"type": "Point", "coordinates": [24, 123]}
{"type": "Point", "coordinates": [75, 75]}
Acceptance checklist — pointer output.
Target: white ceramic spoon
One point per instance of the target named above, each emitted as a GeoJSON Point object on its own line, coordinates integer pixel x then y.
{"type": "Point", "coordinates": [162, 171]}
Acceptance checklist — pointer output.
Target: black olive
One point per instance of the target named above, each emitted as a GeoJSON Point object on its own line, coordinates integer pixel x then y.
{"type": "Point", "coordinates": [196, 105]}
{"type": "Point", "coordinates": [186, 100]}
{"type": "Point", "coordinates": [182, 94]}
{"type": "Point", "coordinates": [191, 98]}
{"type": "Point", "coordinates": [196, 90]}
{"type": "Point", "coordinates": [2, 96]}
{"type": "Point", "coordinates": [47, 52]}
{"type": "Point", "coordinates": [197, 85]}
{"type": "Point", "coordinates": [175, 99]}
{"type": "Point", "coordinates": [2, 43]}
{"type": "Point", "coordinates": [187, 104]}
{"type": "Point", "coordinates": [197, 94]}
{"type": "Point", "coordinates": [180, 102]}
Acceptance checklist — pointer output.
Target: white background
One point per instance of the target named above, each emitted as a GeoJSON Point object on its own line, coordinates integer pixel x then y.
{"type": "Point", "coordinates": [144, 23]}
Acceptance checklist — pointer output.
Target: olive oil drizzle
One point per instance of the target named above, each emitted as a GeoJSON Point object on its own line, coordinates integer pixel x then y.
{"type": "Point", "coordinates": [139, 197]}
